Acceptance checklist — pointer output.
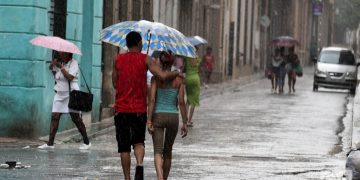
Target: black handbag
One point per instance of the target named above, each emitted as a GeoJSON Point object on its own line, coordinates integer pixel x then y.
{"type": "Point", "coordinates": [79, 100]}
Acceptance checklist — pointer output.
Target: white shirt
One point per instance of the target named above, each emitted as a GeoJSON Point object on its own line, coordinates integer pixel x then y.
{"type": "Point", "coordinates": [62, 84]}
{"type": "Point", "coordinates": [149, 75]}
{"type": "Point", "coordinates": [276, 61]}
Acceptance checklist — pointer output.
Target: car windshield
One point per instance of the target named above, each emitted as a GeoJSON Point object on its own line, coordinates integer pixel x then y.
{"type": "Point", "coordinates": [337, 57]}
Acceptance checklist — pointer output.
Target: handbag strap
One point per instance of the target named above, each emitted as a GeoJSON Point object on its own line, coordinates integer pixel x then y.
{"type": "Point", "coordinates": [84, 81]}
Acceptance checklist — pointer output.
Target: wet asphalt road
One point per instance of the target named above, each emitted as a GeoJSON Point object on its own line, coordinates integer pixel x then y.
{"type": "Point", "coordinates": [244, 132]}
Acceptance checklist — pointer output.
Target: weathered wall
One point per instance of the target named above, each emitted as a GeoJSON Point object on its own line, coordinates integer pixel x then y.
{"type": "Point", "coordinates": [205, 18]}
{"type": "Point", "coordinates": [22, 81]}
{"type": "Point", "coordinates": [26, 84]}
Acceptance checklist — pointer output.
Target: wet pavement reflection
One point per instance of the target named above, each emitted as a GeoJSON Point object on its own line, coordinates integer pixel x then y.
{"type": "Point", "coordinates": [243, 132]}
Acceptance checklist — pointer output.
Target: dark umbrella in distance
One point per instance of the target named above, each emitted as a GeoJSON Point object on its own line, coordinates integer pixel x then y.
{"type": "Point", "coordinates": [196, 40]}
{"type": "Point", "coordinates": [285, 41]}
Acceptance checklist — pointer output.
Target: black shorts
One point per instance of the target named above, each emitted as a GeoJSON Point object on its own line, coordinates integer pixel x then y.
{"type": "Point", "coordinates": [130, 130]}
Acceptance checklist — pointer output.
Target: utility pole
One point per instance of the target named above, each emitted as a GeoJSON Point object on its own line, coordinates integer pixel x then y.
{"type": "Point", "coordinates": [316, 12]}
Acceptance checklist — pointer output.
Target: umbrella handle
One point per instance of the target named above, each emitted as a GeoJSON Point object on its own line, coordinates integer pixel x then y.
{"type": "Point", "coordinates": [147, 51]}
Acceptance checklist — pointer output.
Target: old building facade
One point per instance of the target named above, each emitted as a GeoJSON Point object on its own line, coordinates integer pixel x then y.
{"type": "Point", "coordinates": [239, 31]}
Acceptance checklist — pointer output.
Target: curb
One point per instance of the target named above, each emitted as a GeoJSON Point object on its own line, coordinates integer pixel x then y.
{"type": "Point", "coordinates": [18, 143]}
{"type": "Point", "coordinates": [355, 143]}
{"type": "Point", "coordinates": [352, 160]}
{"type": "Point", "coordinates": [93, 130]}
{"type": "Point", "coordinates": [355, 139]}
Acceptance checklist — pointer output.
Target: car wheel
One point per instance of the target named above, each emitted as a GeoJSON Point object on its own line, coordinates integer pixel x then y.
{"type": "Point", "coordinates": [315, 87]}
{"type": "Point", "coordinates": [352, 91]}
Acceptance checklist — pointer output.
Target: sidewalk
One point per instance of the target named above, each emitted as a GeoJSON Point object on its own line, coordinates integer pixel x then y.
{"type": "Point", "coordinates": [106, 125]}
{"type": "Point", "coordinates": [353, 159]}
{"type": "Point", "coordinates": [16, 142]}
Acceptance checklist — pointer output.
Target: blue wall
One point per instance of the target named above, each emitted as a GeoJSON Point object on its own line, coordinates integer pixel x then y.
{"type": "Point", "coordinates": [26, 85]}
{"type": "Point", "coordinates": [84, 31]}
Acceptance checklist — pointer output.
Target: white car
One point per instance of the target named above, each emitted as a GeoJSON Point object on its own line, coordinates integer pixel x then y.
{"type": "Point", "coordinates": [336, 68]}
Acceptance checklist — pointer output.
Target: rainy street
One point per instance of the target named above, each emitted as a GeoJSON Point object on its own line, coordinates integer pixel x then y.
{"type": "Point", "coordinates": [240, 132]}
{"type": "Point", "coordinates": [67, 67]}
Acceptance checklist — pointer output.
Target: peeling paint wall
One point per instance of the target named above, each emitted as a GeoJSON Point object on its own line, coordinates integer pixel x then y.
{"type": "Point", "coordinates": [26, 84]}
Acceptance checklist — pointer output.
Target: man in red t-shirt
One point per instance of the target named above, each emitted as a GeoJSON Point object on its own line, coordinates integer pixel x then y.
{"type": "Point", "coordinates": [129, 80]}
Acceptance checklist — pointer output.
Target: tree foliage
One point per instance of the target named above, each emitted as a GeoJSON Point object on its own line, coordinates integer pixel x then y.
{"type": "Point", "coordinates": [347, 13]}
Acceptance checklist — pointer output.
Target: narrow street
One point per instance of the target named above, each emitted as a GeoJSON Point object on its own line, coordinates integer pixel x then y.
{"type": "Point", "coordinates": [243, 132]}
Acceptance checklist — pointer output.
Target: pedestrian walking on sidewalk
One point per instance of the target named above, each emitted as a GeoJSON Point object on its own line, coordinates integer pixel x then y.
{"type": "Point", "coordinates": [129, 80]}
{"type": "Point", "coordinates": [65, 70]}
{"type": "Point", "coordinates": [163, 116]}
{"type": "Point", "coordinates": [282, 71]}
{"type": "Point", "coordinates": [192, 82]}
{"type": "Point", "coordinates": [207, 66]}
{"type": "Point", "coordinates": [270, 75]}
{"type": "Point", "coordinates": [277, 60]}
{"type": "Point", "coordinates": [292, 61]}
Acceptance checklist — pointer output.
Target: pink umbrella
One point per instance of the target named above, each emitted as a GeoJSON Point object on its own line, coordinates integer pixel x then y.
{"type": "Point", "coordinates": [285, 41]}
{"type": "Point", "coordinates": [56, 43]}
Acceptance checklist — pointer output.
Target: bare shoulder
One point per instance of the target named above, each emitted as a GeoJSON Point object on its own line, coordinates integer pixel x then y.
{"type": "Point", "coordinates": [177, 82]}
{"type": "Point", "coordinates": [148, 59]}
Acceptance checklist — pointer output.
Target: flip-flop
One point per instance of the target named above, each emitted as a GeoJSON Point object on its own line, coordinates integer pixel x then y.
{"type": "Point", "coordinates": [190, 124]}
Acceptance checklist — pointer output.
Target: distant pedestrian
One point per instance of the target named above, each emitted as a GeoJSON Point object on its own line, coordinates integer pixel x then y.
{"type": "Point", "coordinates": [163, 117]}
{"type": "Point", "coordinates": [270, 75]}
{"type": "Point", "coordinates": [179, 63]}
{"type": "Point", "coordinates": [292, 61]}
{"type": "Point", "coordinates": [207, 66]}
{"type": "Point", "coordinates": [192, 82]}
{"type": "Point", "coordinates": [66, 71]}
{"type": "Point", "coordinates": [129, 80]}
{"type": "Point", "coordinates": [282, 71]}
{"type": "Point", "coordinates": [277, 60]}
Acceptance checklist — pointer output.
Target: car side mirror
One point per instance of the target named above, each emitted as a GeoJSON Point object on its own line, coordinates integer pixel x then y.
{"type": "Point", "coordinates": [315, 59]}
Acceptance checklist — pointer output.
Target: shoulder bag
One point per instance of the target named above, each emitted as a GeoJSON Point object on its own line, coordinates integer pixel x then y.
{"type": "Point", "coordinates": [79, 100]}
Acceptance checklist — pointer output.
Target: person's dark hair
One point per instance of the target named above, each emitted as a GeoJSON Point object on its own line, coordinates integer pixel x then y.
{"type": "Point", "coordinates": [166, 58]}
{"type": "Point", "coordinates": [277, 51]}
{"type": "Point", "coordinates": [209, 49]}
{"type": "Point", "coordinates": [133, 39]}
{"type": "Point", "coordinates": [292, 49]}
{"type": "Point", "coordinates": [162, 53]}
{"type": "Point", "coordinates": [57, 55]}
{"type": "Point", "coordinates": [282, 51]}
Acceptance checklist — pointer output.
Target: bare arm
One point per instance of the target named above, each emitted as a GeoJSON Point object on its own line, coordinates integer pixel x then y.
{"type": "Point", "coordinates": [183, 109]}
{"type": "Point", "coordinates": [114, 75]}
{"type": "Point", "coordinates": [151, 104]}
{"type": "Point", "coordinates": [66, 74]}
{"type": "Point", "coordinates": [155, 69]}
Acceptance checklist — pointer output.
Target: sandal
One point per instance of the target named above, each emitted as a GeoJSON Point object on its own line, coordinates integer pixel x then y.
{"type": "Point", "coordinates": [189, 124]}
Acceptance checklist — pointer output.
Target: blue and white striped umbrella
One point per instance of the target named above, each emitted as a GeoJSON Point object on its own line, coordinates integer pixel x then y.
{"type": "Point", "coordinates": [162, 38]}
